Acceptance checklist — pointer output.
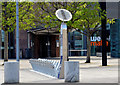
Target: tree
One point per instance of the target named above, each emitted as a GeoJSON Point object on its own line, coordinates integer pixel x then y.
{"type": "Point", "coordinates": [9, 19]}
{"type": "Point", "coordinates": [86, 17]}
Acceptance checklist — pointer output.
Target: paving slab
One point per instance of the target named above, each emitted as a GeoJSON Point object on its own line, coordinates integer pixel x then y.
{"type": "Point", "coordinates": [89, 72]}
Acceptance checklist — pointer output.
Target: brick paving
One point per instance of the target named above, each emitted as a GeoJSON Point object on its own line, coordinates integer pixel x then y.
{"type": "Point", "coordinates": [89, 72]}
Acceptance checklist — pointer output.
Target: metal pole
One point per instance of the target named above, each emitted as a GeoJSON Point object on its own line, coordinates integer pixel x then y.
{"type": "Point", "coordinates": [17, 31]}
{"type": "Point", "coordinates": [104, 53]}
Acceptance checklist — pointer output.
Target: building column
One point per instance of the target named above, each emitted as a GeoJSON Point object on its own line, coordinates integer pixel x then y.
{"type": "Point", "coordinates": [28, 40]}
{"type": "Point", "coordinates": [48, 45]}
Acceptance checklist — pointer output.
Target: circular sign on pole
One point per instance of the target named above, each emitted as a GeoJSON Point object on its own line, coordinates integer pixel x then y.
{"type": "Point", "coordinates": [63, 15]}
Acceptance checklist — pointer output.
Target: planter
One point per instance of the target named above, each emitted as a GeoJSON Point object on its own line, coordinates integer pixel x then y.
{"type": "Point", "coordinates": [71, 71]}
{"type": "Point", "coordinates": [11, 72]}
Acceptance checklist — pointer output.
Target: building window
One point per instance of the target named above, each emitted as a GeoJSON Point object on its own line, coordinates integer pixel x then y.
{"type": "Point", "coordinates": [2, 32]}
{"type": "Point", "coordinates": [75, 43]}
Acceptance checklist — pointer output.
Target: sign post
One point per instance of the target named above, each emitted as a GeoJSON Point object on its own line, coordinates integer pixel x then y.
{"type": "Point", "coordinates": [17, 31]}
{"type": "Point", "coordinates": [63, 48]}
{"type": "Point", "coordinates": [63, 15]}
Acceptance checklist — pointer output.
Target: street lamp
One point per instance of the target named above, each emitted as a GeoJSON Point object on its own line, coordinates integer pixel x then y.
{"type": "Point", "coordinates": [17, 31]}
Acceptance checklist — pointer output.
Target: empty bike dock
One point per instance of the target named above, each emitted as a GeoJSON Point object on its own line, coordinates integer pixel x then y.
{"type": "Point", "coordinates": [45, 66]}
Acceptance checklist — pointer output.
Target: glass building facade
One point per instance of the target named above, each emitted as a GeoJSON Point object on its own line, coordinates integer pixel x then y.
{"type": "Point", "coordinates": [2, 44]}
{"type": "Point", "coordinates": [115, 38]}
{"type": "Point", "coordinates": [11, 42]}
{"type": "Point", "coordinates": [78, 43]}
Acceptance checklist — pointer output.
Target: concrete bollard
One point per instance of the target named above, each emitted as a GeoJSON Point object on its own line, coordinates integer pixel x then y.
{"type": "Point", "coordinates": [71, 71]}
{"type": "Point", "coordinates": [11, 72]}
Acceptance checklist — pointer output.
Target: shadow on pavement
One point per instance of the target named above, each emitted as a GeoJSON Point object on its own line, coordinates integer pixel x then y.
{"type": "Point", "coordinates": [66, 83]}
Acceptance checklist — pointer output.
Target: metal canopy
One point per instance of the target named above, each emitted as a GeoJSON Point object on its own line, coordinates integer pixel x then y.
{"type": "Point", "coordinates": [37, 31]}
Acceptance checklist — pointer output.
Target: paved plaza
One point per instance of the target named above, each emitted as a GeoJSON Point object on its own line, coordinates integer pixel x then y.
{"type": "Point", "coordinates": [92, 72]}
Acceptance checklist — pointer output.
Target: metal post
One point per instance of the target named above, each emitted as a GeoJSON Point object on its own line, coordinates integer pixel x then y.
{"type": "Point", "coordinates": [0, 30]}
{"type": "Point", "coordinates": [17, 31]}
{"type": "Point", "coordinates": [103, 25]}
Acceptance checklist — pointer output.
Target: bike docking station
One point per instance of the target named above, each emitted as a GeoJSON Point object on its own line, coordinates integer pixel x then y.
{"type": "Point", "coordinates": [68, 70]}
{"type": "Point", "coordinates": [45, 66]}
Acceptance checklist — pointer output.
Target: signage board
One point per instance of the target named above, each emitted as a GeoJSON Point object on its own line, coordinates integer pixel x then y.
{"type": "Point", "coordinates": [63, 15]}
{"type": "Point", "coordinates": [96, 41]}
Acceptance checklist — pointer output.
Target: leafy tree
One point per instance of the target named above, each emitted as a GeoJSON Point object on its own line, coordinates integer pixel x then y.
{"type": "Point", "coordinates": [87, 17]}
{"type": "Point", "coordinates": [9, 19]}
